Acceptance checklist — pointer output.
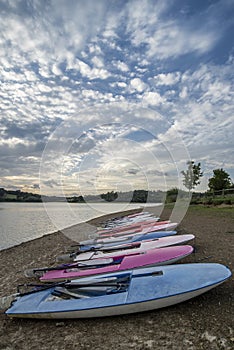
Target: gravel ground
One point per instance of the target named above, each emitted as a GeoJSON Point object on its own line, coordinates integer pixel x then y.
{"type": "Point", "coordinates": [205, 322]}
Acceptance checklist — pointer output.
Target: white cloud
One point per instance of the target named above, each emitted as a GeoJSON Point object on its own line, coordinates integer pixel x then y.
{"type": "Point", "coordinates": [12, 76]}
{"type": "Point", "coordinates": [168, 37]}
{"type": "Point", "coordinates": [140, 13]}
{"type": "Point", "coordinates": [218, 91]}
{"type": "Point", "coordinates": [97, 61]}
{"type": "Point", "coordinates": [144, 62]}
{"type": "Point", "coordinates": [184, 92]}
{"type": "Point", "coordinates": [122, 66]}
{"type": "Point", "coordinates": [56, 70]}
{"type": "Point", "coordinates": [30, 75]}
{"type": "Point", "coordinates": [87, 71]}
{"type": "Point", "coordinates": [209, 83]}
{"type": "Point", "coordinates": [170, 40]}
{"type": "Point", "coordinates": [44, 88]}
{"type": "Point", "coordinates": [152, 98]}
{"type": "Point", "coordinates": [121, 84]}
{"type": "Point", "coordinates": [204, 116]}
{"type": "Point", "coordinates": [96, 95]}
{"type": "Point", "coordinates": [93, 48]}
{"type": "Point", "coordinates": [60, 58]}
{"type": "Point", "coordinates": [137, 84]}
{"type": "Point", "coordinates": [167, 79]}
{"type": "Point", "coordinates": [44, 71]}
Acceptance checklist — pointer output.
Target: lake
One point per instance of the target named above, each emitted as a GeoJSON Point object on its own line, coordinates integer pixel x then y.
{"type": "Point", "coordinates": [21, 222]}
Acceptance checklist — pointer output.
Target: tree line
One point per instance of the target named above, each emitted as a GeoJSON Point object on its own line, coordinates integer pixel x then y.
{"type": "Point", "coordinates": [220, 181]}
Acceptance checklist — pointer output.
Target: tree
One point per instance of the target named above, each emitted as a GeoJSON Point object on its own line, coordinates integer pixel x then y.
{"type": "Point", "coordinates": [220, 180]}
{"type": "Point", "coordinates": [192, 175]}
{"type": "Point", "coordinates": [140, 196]}
{"type": "Point", "coordinates": [109, 196]}
{"type": "Point", "coordinates": [171, 195]}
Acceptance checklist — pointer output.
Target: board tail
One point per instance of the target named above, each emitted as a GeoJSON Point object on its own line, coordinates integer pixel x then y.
{"type": "Point", "coordinates": [5, 302]}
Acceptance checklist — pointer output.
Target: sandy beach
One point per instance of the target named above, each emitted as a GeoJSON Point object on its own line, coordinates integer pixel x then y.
{"type": "Point", "coordinates": [205, 322]}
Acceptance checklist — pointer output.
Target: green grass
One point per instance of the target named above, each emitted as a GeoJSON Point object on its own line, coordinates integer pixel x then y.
{"type": "Point", "coordinates": [213, 210]}
{"type": "Point", "coordinates": [200, 209]}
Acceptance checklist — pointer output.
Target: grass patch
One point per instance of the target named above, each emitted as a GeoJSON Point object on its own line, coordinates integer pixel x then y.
{"type": "Point", "coordinates": [222, 210]}
{"type": "Point", "coordinates": [212, 210]}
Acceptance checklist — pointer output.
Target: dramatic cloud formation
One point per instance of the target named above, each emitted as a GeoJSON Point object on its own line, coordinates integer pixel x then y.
{"type": "Point", "coordinates": [125, 92]}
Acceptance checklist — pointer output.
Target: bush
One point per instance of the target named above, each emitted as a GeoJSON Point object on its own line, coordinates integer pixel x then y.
{"type": "Point", "coordinates": [227, 201]}
{"type": "Point", "coordinates": [207, 201]}
{"type": "Point", "coordinates": [195, 201]}
{"type": "Point", "coordinates": [171, 199]}
{"type": "Point", "coordinates": [218, 201]}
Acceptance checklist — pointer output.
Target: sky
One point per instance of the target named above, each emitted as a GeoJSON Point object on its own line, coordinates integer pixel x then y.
{"type": "Point", "coordinates": [114, 95]}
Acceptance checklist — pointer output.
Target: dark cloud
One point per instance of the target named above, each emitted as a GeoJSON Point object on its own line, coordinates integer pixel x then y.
{"type": "Point", "coordinates": [28, 130]}
{"type": "Point", "coordinates": [133, 171]}
{"type": "Point", "coordinates": [83, 145]}
{"type": "Point", "coordinates": [157, 173]}
{"type": "Point", "coordinates": [51, 183]}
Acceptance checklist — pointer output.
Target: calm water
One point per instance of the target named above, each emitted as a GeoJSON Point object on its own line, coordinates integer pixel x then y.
{"type": "Point", "coordinates": [21, 222]}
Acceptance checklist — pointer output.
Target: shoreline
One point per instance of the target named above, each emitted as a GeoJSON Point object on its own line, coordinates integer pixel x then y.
{"type": "Point", "coordinates": [92, 222]}
{"type": "Point", "coordinates": [99, 219]}
{"type": "Point", "coordinates": [205, 322]}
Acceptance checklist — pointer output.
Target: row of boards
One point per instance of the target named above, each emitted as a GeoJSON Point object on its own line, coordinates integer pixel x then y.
{"type": "Point", "coordinates": [119, 280]}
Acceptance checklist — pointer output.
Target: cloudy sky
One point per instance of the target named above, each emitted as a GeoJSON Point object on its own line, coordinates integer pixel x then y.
{"type": "Point", "coordinates": [114, 94]}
